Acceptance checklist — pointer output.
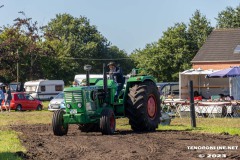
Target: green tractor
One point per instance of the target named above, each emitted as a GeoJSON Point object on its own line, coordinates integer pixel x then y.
{"type": "Point", "coordinates": [93, 108]}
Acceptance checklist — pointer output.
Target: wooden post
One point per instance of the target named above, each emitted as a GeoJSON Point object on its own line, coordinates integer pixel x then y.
{"type": "Point", "coordinates": [192, 108]}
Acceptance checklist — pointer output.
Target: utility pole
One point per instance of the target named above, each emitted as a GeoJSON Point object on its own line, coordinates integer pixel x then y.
{"type": "Point", "coordinates": [17, 66]}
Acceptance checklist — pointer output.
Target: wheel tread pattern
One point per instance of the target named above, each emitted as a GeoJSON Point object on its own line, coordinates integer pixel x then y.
{"type": "Point", "coordinates": [57, 123]}
{"type": "Point", "coordinates": [136, 109]}
{"type": "Point", "coordinates": [105, 122]}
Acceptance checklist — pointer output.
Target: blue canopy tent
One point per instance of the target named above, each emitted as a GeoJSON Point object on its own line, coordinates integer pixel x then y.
{"type": "Point", "coordinates": [233, 73]}
{"type": "Point", "coordinates": [229, 72]}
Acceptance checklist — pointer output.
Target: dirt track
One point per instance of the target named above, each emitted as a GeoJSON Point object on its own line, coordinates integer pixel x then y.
{"type": "Point", "coordinates": [42, 144]}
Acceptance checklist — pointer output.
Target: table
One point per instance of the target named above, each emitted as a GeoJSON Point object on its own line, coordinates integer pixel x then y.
{"type": "Point", "coordinates": [204, 108]}
{"type": "Point", "coordinates": [213, 109]}
{"type": "Point", "coordinates": [178, 106]}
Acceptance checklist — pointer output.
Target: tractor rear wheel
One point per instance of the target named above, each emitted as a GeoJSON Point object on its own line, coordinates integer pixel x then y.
{"type": "Point", "coordinates": [143, 106]}
{"type": "Point", "coordinates": [59, 129]}
{"type": "Point", "coordinates": [107, 122]}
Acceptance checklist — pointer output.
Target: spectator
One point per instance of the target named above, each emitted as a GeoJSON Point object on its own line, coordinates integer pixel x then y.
{"type": "Point", "coordinates": [2, 97]}
{"type": "Point", "coordinates": [8, 98]}
{"type": "Point", "coordinates": [74, 84]}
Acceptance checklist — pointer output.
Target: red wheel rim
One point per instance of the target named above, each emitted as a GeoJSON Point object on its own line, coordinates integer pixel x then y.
{"type": "Point", "coordinates": [151, 106]}
{"type": "Point", "coordinates": [112, 122]}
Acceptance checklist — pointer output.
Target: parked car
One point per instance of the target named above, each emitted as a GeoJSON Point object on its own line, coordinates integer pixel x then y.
{"type": "Point", "coordinates": [169, 89]}
{"type": "Point", "coordinates": [57, 102]}
{"type": "Point", "coordinates": [23, 101]}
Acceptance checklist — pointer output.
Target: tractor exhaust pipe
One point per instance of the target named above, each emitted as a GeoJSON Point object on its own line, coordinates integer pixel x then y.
{"type": "Point", "coordinates": [87, 68]}
{"type": "Point", "coordinates": [105, 79]}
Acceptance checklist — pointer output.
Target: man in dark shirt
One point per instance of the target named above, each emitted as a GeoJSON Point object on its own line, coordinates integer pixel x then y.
{"type": "Point", "coordinates": [9, 97]}
{"type": "Point", "coordinates": [2, 98]}
{"type": "Point", "coordinates": [116, 74]}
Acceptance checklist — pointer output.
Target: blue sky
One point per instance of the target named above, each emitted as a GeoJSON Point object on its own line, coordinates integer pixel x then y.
{"type": "Point", "coordinates": [128, 24]}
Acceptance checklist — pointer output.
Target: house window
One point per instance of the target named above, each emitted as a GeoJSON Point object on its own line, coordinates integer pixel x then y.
{"type": "Point", "coordinates": [237, 49]}
{"type": "Point", "coordinates": [58, 88]}
{"type": "Point", "coordinates": [43, 88]}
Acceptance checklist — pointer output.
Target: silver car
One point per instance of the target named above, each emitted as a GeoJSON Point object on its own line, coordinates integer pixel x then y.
{"type": "Point", "coordinates": [57, 102]}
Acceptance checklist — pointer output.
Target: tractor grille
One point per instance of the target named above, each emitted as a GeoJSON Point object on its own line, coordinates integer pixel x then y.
{"type": "Point", "coordinates": [73, 96]}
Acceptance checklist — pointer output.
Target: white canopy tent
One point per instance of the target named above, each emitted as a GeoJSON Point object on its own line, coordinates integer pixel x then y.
{"type": "Point", "coordinates": [205, 86]}
{"type": "Point", "coordinates": [235, 87]}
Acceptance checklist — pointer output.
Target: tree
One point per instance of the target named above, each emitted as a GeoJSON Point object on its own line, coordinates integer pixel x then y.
{"type": "Point", "coordinates": [75, 42]}
{"type": "Point", "coordinates": [165, 58]}
{"type": "Point", "coordinates": [175, 49]}
{"type": "Point", "coordinates": [229, 18]}
{"type": "Point", "coordinates": [198, 29]}
{"type": "Point", "coordinates": [21, 44]}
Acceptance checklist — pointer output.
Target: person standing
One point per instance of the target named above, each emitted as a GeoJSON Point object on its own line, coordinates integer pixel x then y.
{"type": "Point", "coordinates": [2, 97]}
{"type": "Point", "coordinates": [9, 98]}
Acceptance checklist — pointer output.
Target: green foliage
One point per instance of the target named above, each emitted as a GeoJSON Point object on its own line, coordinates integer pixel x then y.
{"type": "Point", "coordinates": [174, 50]}
{"type": "Point", "coordinates": [21, 43]}
{"type": "Point", "coordinates": [74, 43]}
{"type": "Point", "coordinates": [229, 18]}
{"type": "Point", "coordinates": [165, 58]}
{"type": "Point", "coordinates": [65, 45]}
{"type": "Point", "coordinates": [198, 30]}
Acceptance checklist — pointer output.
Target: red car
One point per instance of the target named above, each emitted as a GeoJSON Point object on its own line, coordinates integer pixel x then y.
{"type": "Point", "coordinates": [23, 101]}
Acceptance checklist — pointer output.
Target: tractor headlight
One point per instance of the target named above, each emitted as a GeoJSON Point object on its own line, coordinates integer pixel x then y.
{"type": "Point", "coordinates": [68, 105]}
{"type": "Point", "coordinates": [79, 105]}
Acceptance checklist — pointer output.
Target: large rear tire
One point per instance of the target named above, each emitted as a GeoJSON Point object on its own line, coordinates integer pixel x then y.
{"type": "Point", "coordinates": [59, 129]}
{"type": "Point", "coordinates": [143, 106]}
{"type": "Point", "coordinates": [107, 122]}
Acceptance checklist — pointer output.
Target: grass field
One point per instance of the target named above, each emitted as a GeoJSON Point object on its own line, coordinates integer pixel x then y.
{"type": "Point", "coordinates": [9, 142]}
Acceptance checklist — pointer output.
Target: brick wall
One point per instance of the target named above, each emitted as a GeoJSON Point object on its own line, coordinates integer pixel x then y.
{"type": "Point", "coordinates": [215, 66]}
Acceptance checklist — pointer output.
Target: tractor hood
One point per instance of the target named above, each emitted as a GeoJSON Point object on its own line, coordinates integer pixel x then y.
{"type": "Point", "coordinates": [141, 78]}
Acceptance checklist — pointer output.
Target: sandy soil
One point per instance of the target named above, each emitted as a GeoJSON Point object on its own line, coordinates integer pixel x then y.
{"type": "Point", "coordinates": [42, 144]}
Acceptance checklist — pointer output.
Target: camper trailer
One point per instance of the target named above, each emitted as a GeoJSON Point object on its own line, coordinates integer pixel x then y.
{"type": "Point", "coordinates": [44, 89]}
{"type": "Point", "coordinates": [79, 77]}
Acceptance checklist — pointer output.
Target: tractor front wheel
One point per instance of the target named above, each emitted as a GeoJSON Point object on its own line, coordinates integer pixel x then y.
{"type": "Point", "coordinates": [107, 122]}
{"type": "Point", "coordinates": [143, 106]}
{"type": "Point", "coordinates": [59, 128]}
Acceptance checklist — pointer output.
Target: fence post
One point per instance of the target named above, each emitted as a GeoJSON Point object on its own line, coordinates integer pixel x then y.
{"type": "Point", "coordinates": [192, 108]}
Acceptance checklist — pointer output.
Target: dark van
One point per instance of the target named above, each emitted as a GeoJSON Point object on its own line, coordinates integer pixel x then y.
{"type": "Point", "coordinates": [168, 89]}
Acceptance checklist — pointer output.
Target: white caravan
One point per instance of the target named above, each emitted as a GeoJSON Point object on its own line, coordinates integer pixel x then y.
{"type": "Point", "coordinates": [79, 77]}
{"type": "Point", "coordinates": [44, 89]}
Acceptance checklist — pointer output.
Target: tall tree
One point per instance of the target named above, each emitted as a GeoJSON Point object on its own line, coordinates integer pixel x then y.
{"type": "Point", "coordinates": [229, 18]}
{"type": "Point", "coordinates": [198, 29]}
{"type": "Point", "coordinates": [175, 49]}
{"type": "Point", "coordinates": [21, 44]}
{"type": "Point", "coordinates": [165, 58]}
{"type": "Point", "coordinates": [75, 42]}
